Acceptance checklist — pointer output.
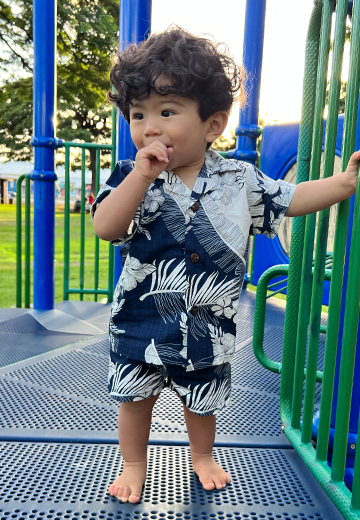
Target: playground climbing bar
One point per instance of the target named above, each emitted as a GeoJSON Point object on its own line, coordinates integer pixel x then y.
{"type": "Point", "coordinates": [135, 26]}
{"type": "Point", "coordinates": [248, 131]}
{"type": "Point", "coordinates": [44, 144]}
{"type": "Point", "coordinates": [80, 289]}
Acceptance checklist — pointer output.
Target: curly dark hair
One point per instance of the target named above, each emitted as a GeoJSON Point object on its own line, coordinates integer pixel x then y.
{"type": "Point", "coordinates": [195, 67]}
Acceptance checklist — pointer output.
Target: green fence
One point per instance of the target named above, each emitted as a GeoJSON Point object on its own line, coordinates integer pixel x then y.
{"type": "Point", "coordinates": [67, 290]}
{"type": "Point", "coordinates": [305, 279]}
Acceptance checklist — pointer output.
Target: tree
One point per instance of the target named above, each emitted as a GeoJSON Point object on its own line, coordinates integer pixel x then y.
{"type": "Point", "coordinates": [87, 37]}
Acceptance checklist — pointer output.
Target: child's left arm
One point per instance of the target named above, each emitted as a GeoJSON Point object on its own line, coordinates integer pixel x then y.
{"type": "Point", "coordinates": [313, 196]}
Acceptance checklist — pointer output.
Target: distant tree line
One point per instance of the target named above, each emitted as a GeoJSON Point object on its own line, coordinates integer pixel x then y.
{"type": "Point", "coordinates": [87, 36]}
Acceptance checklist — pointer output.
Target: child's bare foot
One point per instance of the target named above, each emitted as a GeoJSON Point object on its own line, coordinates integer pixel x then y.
{"type": "Point", "coordinates": [210, 474]}
{"type": "Point", "coordinates": [128, 485]}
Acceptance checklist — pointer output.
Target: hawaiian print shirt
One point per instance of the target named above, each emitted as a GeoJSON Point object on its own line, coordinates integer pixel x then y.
{"type": "Point", "coordinates": [184, 261]}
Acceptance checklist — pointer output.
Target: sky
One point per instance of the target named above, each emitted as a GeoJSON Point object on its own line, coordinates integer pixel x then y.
{"type": "Point", "coordinates": [286, 26]}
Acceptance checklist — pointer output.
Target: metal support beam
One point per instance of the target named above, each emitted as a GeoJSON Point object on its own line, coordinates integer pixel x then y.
{"type": "Point", "coordinates": [247, 130]}
{"type": "Point", "coordinates": [43, 175]}
{"type": "Point", "coordinates": [135, 25]}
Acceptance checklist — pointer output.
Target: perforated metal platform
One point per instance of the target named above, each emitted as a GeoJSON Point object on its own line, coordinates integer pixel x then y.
{"type": "Point", "coordinates": [58, 431]}
{"type": "Point", "coordinates": [71, 481]}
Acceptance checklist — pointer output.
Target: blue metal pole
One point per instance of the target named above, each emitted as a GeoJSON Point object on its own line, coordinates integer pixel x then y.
{"type": "Point", "coordinates": [247, 131]}
{"type": "Point", "coordinates": [135, 26]}
{"type": "Point", "coordinates": [44, 142]}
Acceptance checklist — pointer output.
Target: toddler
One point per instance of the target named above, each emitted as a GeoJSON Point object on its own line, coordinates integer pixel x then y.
{"type": "Point", "coordinates": [183, 215]}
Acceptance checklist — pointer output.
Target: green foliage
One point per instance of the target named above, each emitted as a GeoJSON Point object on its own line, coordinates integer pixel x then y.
{"type": "Point", "coordinates": [87, 37]}
{"type": "Point", "coordinates": [223, 144]}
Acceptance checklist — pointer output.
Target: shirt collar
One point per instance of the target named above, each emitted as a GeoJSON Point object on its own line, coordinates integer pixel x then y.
{"type": "Point", "coordinates": [214, 164]}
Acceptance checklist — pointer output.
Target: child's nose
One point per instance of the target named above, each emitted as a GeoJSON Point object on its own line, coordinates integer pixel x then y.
{"type": "Point", "coordinates": [152, 129]}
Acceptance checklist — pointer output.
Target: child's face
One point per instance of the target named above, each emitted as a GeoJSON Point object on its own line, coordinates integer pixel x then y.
{"type": "Point", "coordinates": [174, 121]}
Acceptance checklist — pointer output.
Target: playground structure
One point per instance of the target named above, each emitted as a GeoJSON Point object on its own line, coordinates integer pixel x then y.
{"type": "Point", "coordinates": [58, 436]}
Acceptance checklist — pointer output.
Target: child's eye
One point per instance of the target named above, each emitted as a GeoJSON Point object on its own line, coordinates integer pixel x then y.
{"type": "Point", "coordinates": [138, 116]}
{"type": "Point", "coordinates": [167, 113]}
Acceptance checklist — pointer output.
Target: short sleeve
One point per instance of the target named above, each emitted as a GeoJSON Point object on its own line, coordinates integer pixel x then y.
{"type": "Point", "coordinates": [268, 201]}
{"type": "Point", "coordinates": [121, 170]}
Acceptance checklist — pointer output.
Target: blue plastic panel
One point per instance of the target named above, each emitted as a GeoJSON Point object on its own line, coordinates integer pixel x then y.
{"type": "Point", "coordinates": [279, 153]}
{"type": "Point", "coordinates": [71, 481]}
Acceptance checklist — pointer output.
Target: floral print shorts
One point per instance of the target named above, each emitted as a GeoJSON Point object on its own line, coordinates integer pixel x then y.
{"type": "Point", "coordinates": [204, 392]}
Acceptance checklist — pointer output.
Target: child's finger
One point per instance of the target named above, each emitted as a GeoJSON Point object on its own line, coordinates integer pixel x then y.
{"type": "Point", "coordinates": [160, 151]}
{"type": "Point", "coordinates": [170, 152]}
{"type": "Point", "coordinates": [355, 158]}
{"type": "Point", "coordinates": [155, 153]}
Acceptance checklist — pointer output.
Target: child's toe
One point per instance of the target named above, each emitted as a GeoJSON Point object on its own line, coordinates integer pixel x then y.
{"type": "Point", "coordinates": [208, 484]}
{"type": "Point", "coordinates": [134, 497]}
{"type": "Point", "coordinates": [118, 491]}
{"type": "Point", "coordinates": [125, 494]}
{"type": "Point", "coordinates": [219, 483]}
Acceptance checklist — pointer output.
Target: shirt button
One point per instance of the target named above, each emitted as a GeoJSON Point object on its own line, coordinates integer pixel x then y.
{"type": "Point", "coordinates": [194, 258]}
{"type": "Point", "coordinates": [194, 310]}
{"type": "Point", "coordinates": [195, 206]}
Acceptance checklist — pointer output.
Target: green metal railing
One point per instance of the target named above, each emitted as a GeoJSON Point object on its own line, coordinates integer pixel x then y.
{"type": "Point", "coordinates": [305, 281]}
{"type": "Point", "coordinates": [27, 251]}
{"type": "Point", "coordinates": [81, 290]}
{"type": "Point", "coordinates": [67, 290]}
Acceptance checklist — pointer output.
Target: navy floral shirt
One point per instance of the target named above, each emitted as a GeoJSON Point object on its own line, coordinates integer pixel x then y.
{"type": "Point", "coordinates": [184, 260]}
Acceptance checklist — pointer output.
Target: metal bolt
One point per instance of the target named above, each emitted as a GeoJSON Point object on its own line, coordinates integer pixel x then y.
{"type": "Point", "coordinates": [353, 446]}
{"type": "Point", "coordinates": [283, 428]}
{"type": "Point", "coordinates": [49, 142]}
{"type": "Point", "coordinates": [41, 175]}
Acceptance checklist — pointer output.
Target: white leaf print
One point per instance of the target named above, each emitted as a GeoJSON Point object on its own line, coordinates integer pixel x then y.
{"type": "Point", "coordinates": [223, 345]}
{"type": "Point", "coordinates": [116, 306]}
{"type": "Point", "coordinates": [209, 293]}
{"type": "Point", "coordinates": [224, 307]}
{"type": "Point", "coordinates": [216, 397]}
{"type": "Point", "coordinates": [113, 328]}
{"type": "Point", "coordinates": [151, 354]}
{"type": "Point", "coordinates": [181, 390]}
{"type": "Point", "coordinates": [184, 328]}
{"type": "Point", "coordinates": [174, 218]}
{"type": "Point", "coordinates": [153, 199]}
{"type": "Point", "coordinates": [132, 384]}
{"type": "Point", "coordinates": [214, 244]}
{"type": "Point", "coordinates": [227, 188]}
{"type": "Point", "coordinates": [134, 272]}
{"type": "Point", "coordinates": [168, 290]}
{"type": "Point", "coordinates": [183, 352]}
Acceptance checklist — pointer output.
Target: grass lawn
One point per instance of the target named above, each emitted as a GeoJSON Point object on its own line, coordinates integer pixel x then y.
{"type": "Point", "coordinates": [8, 256]}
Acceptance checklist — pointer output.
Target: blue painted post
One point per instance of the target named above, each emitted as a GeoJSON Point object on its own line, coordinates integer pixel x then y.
{"type": "Point", "coordinates": [44, 143]}
{"type": "Point", "coordinates": [135, 26]}
{"type": "Point", "coordinates": [247, 131]}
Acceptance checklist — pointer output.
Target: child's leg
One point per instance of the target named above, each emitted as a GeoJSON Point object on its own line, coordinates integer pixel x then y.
{"type": "Point", "coordinates": [201, 431]}
{"type": "Point", "coordinates": [134, 427]}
